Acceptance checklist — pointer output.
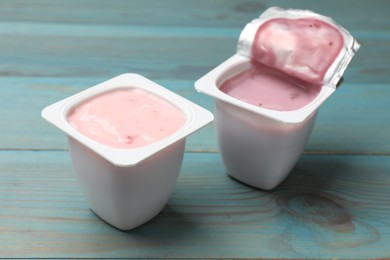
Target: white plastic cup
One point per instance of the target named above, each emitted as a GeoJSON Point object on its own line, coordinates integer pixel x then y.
{"type": "Point", "coordinates": [259, 147]}
{"type": "Point", "coordinates": [127, 187]}
{"type": "Point", "coordinates": [256, 150]}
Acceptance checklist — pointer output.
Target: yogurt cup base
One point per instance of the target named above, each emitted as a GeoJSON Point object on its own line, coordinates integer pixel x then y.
{"type": "Point", "coordinates": [265, 151]}
{"type": "Point", "coordinates": [126, 197]}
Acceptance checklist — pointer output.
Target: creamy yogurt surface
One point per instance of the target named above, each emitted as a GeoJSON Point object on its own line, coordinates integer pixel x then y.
{"type": "Point", "coordinates": [303, 48]}
{"type": "Point", "coordinates": [126, 118]}
{"type": "Point", "coordinates": [269, 88]}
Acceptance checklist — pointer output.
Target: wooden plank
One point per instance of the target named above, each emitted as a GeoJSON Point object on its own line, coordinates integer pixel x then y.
{"type": "Point", "coordinates": [226, 13]}
{"type": "Point", "coordinates": [175, 55]}
{"type": "Point", "coordinates": [353, 121]}
{"type": "Point", "coordinates": [330, 206]}
{"type": "Point", "coordinates": [58, 56]}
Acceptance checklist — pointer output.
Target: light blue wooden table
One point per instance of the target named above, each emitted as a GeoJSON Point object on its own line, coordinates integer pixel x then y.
{"type": "Point", "coordinates": [334, 204]}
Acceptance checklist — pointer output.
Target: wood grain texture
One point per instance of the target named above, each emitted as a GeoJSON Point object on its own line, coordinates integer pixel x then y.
{"type": "Point", "coordinates": [225, 13]}
{"type": "Point", "coordinates": [156, 52]}
{"type": "Point", "coordinates": [334, 204]}
{"type": "Point", "coordinates": [318, 212]}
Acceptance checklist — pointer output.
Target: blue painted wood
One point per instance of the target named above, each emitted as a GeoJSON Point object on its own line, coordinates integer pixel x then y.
{"type": "Point", "coordinates": [334, 204]}
{"type": "Point", "coordinates": [179, 54]}
{"type": "Point", "coordinates": [329, 206]}
{"type": "Point", "coordinates": [226, 13]}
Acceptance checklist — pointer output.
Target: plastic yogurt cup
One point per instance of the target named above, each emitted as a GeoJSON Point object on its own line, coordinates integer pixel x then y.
{"type": "Point", "coordinates": [267, 95]}
{"type": "Point", "coordinates": [127, 156]}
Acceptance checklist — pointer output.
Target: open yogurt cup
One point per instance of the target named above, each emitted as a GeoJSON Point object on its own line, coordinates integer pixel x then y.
{"type": "Point", "coordinates": [260, 139]}
{"type": "Point", "coordinates": [126, 186]}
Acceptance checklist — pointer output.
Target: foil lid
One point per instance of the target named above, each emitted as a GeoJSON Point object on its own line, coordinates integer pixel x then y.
{"type": "Point", "coordinates": [300, 43]}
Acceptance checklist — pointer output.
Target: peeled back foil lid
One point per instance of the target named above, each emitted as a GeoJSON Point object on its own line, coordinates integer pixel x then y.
{"type": "Point", "coordinates": [300, 43]}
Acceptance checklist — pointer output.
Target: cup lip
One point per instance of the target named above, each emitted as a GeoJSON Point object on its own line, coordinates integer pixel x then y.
{"type": "Point", "coordinates": [197, 117]}
{"type": "Point", "coordinates": [208, 84]}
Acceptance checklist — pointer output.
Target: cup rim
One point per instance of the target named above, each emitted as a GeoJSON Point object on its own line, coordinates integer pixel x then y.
{"type": "Point", "coordinates": [208, 84]}
{"type": "Point", "coordinates": [197, 117]}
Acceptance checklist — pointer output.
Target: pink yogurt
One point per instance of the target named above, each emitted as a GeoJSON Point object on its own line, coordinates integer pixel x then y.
{"type": "Point", "coordinates": [268, 88]}
{"type": "Point", "coordinates": [290, 58]}
{"type": "Point", "coordinates": [303, 48]}
{"type": "Point", "coordinates": [126, 118]}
